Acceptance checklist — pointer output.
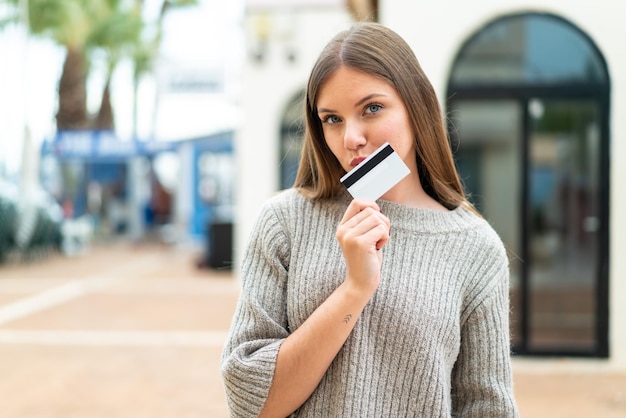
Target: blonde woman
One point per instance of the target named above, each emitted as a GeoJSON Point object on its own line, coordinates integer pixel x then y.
{"type": "Point", "coordinates": [357, 308]}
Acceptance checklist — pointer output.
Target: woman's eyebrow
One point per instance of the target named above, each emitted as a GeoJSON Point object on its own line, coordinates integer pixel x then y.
{"type": "Point", "coordinates": [367, 98]}
{"type": "Point", "coordinates": [324, 110]}
{"type": "Point", "coordinates": [357, 104]}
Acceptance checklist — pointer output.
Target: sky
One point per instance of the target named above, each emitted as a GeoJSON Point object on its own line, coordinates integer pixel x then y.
{"type": "Point", "coordinates": [204, 43]}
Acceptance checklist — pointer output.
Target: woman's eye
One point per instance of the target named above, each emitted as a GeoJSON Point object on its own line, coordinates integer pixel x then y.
{"type": "Point", "coordinates": [331, 119]}
{"type": "Point", "coordinates": [372, 108]}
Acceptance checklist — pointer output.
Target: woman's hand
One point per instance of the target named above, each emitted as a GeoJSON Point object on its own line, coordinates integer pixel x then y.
{"type": "Point", "coordinates": [362, 233]}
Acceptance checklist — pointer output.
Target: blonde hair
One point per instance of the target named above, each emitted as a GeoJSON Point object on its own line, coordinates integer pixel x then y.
{"type": "Point", "coordinates": [377, 50]}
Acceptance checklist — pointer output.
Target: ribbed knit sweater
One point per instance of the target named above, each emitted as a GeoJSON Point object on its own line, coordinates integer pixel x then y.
{"type": "Point", "coordinates": [432, 342]}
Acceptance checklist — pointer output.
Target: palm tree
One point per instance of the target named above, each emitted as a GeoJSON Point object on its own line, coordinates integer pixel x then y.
{"type": "Point", "coordinates": [83, 26]}
{"type": "Point", "coordinates": [117, 33]}
{"type": "Point", "coordinates": [122, 33]}
{"type": "Point", "coordinates": [68, 23]}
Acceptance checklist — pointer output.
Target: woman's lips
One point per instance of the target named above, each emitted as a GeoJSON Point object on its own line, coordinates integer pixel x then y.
{"type": "Point", "coordinates": [356, 161]}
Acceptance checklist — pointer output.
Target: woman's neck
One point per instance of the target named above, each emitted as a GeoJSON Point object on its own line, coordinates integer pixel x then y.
{"type": "Point", "coordinates": [410, 192]}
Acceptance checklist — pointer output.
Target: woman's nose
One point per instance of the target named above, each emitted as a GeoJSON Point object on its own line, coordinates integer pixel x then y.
{"type": "Point", "coordinates": [354, 136]}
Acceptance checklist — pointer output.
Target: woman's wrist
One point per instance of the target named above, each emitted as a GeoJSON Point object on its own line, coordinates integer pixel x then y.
{"type": "Point", "coordinates": [356, 293]}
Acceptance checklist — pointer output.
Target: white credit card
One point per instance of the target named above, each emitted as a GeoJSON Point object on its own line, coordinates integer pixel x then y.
{"type": "Point", "coordinates": [376, 174]}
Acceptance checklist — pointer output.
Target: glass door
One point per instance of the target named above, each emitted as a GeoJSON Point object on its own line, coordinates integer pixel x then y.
{"type": "Point", "coordinates": [563, 222]}
{"type": "Point", "coordinates": [532, 168]}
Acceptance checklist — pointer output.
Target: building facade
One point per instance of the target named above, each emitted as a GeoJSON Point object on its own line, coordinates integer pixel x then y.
{"type": "Point", "coordinates": [533, 95]}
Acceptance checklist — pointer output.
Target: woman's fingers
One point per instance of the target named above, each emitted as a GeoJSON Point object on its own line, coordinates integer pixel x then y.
{"type": "Point", "coordinates": [360, 210]}
{"type": "Point", "coordinates": [362, 232]}
{"type": "Point", "coordinates": [356, 206]}
{"type": "Point", "coordinates": [363, 226]}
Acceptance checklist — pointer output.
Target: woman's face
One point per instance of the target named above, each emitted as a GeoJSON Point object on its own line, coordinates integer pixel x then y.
{"type": "Point", "coordinates": [360, 112]}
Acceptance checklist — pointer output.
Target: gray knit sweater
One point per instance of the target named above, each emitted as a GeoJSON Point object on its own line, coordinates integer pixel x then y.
{"type": "Point", "coordinates": [432, 342]}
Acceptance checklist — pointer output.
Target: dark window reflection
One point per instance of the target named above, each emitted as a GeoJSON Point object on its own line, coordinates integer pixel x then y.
{"type": "Point", "coordinates": [563, 182]}
{"type": "Point", "coordinates": [533, 49]}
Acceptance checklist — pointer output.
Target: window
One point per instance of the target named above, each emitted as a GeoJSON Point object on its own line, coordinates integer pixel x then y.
{"type": "Point", "coordinates": [528, 99]}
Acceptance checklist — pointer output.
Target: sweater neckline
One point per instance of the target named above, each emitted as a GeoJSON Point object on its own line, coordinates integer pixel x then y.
{"type": "Point", "coordinates": [428, 220]}
{"type": "Point", "coordinates": [425, 220]}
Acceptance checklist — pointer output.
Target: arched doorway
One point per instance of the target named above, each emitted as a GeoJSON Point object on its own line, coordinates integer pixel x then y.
{"type": "Point", "coordinates": [528, 106]}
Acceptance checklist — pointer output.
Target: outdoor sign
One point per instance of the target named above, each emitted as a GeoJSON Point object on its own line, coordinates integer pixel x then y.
{"type": "Point", "coordinates": [100, 145]}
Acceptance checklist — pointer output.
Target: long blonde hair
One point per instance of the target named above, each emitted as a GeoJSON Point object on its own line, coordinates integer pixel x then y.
{"type": "Point", "coordinates": [375, 49]}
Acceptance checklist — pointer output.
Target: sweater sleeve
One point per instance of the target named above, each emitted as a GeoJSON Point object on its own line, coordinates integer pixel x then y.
{"type": "Point", "coordinates": [259, 325]}
{"type": "Point", "coordinates": [482, 385]}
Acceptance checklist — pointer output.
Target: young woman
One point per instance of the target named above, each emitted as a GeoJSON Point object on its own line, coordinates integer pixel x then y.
{"type": "Point", "coordinates": [389, 308]}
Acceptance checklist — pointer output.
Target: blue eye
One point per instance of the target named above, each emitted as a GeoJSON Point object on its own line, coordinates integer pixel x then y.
{"type": "Point", "coordinates": [331, 119]}
{"type": "Point", "coordinates": [373, 108]}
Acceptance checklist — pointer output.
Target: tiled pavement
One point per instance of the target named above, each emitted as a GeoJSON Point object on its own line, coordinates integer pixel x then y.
{"type": "Point", "coordinates": [135, 332]}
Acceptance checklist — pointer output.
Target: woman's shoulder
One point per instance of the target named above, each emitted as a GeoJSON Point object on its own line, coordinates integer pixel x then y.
{"type": "Point", "coordinates": [284, 196]}
{"type": "Point", "coordinates": [485, 238]}
{"type": "Point", "coordinates": [296, 202]}
{"type": "Point", "coordinates": [288, 212]}
{"type": "Point", "coordinates": [287, 199]}
{"type": "Point", "coordinates": [286, 206]}
{"type": "Point", "coordinates": [467, 227]}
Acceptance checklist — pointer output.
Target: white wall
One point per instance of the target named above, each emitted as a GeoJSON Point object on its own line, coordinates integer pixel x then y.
{"type": "Point", "coordinates": [449, 23]}
{"type": "Point", "coordinates": [268, 88]}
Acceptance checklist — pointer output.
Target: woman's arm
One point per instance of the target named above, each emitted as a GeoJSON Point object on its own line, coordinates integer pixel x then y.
{"type": "Point", "coordinates": [264, 365]}
{"type": "Point", "coordinates": [307, 353]}
{"type": "Point", "coordinates": [482, 384]}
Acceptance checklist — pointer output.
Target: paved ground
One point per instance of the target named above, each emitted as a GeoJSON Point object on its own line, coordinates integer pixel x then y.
{"type": "Point", "coordinates": [136, 331]}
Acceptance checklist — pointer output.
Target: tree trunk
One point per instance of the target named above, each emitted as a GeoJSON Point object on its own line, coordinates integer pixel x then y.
{"type": "Point", "coordinates": [72, 112]}
{"type": "Point", "coordinates": [105, 118]}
